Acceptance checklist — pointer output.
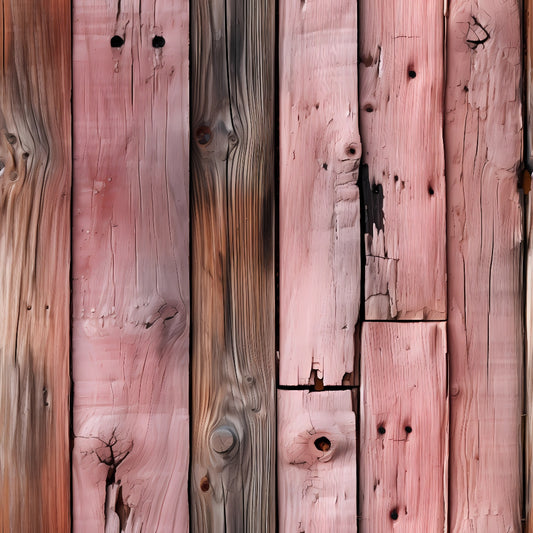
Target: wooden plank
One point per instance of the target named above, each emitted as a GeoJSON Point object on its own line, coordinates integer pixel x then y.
{"type": "Point", "coordinates": [529, 371]}
{"type": "Point", "coordinates": [35, 187]}
{"type": "Point", "coordinates": [233, 332]}
{"type": "Point", "coordinates": [320, 262]}
{"type": "Point", "coordinates": [404, 427]}
{"type": "Point", "coordinates": [402, 175]}
{"type": "Point", "coordinates": [483, 139]}
{"type": "Point", "coordinates": [130, 267]}
{"type": "Point", "coordinates": [317, 487]}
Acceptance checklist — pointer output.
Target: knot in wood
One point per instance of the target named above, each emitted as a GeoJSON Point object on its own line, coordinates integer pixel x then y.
{"type": "Point", "coordinates": [223, 440]}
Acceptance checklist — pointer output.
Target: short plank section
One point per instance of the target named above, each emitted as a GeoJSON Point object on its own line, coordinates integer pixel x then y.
{"type": "Point", "coordinates": [233, 354]}
{"type": "Point", "coordinates": [130, 335]}
{"type": "Point", "coordinates": [35, 187]}
{"type": "Point", "coordinates": [483, 139]}
{"type": "Point", "coordinates": [404, 427]}
{"type": "Point", "coordinates": [320, 255]}
{"type": "Point", "coordinates": [402, 172]}
{"type": "Point", "coordinates": [317, 483]}
{"type": "Point", "coordinates": [529, 372]}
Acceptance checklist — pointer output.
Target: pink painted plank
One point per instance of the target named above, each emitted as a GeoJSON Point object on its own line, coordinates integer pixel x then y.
{"type": "Point", "coordinates": [130, 266]}
{"type": "Point", "coordinates": [483, 139]}
{"type": "Point", "coordinates": [402, 176]}
{"type": "Point", "coordinates": [404, 427]}
{"type": "Point", "coordinates": [319, 232]}
{"type": "Point", "coordinates": [317, 484]}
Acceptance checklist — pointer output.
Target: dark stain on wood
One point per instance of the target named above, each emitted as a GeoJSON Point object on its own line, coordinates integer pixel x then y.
{"type": "Point", "coordinates": [372, 197]}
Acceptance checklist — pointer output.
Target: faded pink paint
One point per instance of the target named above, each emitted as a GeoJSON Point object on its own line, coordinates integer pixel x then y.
{"type": "Point", "coordinates": [320, 256]}
{"type": "Point", "coordinates": [317, 461]}
{"type": "Point", "coordinates": [483, 139]}
{"type": "Point", "coordinates": [130, 267]}
{"type": "Point", "coordinates": [404, 427]}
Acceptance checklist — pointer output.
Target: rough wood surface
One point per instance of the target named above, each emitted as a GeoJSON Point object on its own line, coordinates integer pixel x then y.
{"type": "Point", "coordinates": [317, 482]}
{"type": "Point", "coordinates": [130, 333]}
{"type": "Point", "coordinates": [528, 81]}
{"type": "Point", "coordinates": [404, 427]}
{"type": "Point", "coordinates": [402, 174]}
{"type": "Point", "coordinates": [529, 373]}
{"type": "Point", "coordinates": [35, 181]}
{"type": "Point", "coordinates": [483, 139]}
{"type": "Point", "coordinates": [320, 254]}
{"type": "Point", "coordinates": [233, 354]}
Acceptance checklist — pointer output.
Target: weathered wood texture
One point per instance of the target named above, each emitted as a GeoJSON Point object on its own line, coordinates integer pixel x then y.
{"type": "Point", "coordinates": [528, 82]}
{"type": "Point", "coordinates": [404, 427]}
{"type": "Point", "coordinates": [320, 254]}
{"type": "Point", "coordinates": [529, 368]}
{"type": "Point", "coordinates": [35, 181]}
{"type": "Point", "coordinates": [402, 174]}
{"type": "Point", "coordinates": [483, 140]}
{"type": "Point", "coordinates": [317, 483]}
{"type": "Point", "coordinates": [233, 354]}
{"type": "Point", "coordinates": [130, 266]}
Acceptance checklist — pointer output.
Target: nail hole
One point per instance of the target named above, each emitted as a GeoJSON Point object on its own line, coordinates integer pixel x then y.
{"type": "Point", "coordinates": [323, 444]}
{"type": "Point", "coordinates": [204, 484]}
{"type": "Point", "coordinates": [381, 430]}
{"type": "Point", "coordinates": [412, 74]}
{"type": "Point", "coordinates": [431, 191]}
{"type": "Point", "coordinates": [350, 150]}
{"type": "Point", "coordinates": [465, 88]}
{"type": "Point", "coordinates": [158, 41]}
{"type": "Point", "coordinates": [28, 307]}
{"type": "Point", "coordinates": [369, 109]}
{"type": "Point", "coordinates": [396, 178]}
{"type": "Point", "coordinates": [47, 307]}
{"type": "Point", "coordinates": [11, 139]}
{"type": "Point", "coordinates": [408, 429]}
{"type": "Point", "coordinates": [394, 514]}
{"type": "Point", "coordinates": [203, 134]}
{"type": "Point", "coordinates": [325, 166]}
{"type": "Point", "coordinates": [116, 41]}
{"type": "Point", "coordinates": [25, 155]}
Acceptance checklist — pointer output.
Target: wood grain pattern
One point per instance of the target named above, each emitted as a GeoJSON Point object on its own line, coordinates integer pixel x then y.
{"type": "Point", "coordinates": [320, 263]}
{"type": "Point", "coordinates": [233, 354]}
{"type": "Point", "coordinates": [528, 81]}
{"type": "Point", "coordinates": [529, 371]}
{"type": "Point", "coordinates": [404, 427]}
{"type": "Point", "coordinates": [402, 174]}
{"type": "Point", "coordinates": [483, 139]}
{"type": "Point", "coordinates": [130, 267]}
{"type": "Point", "coordinates": [317, 483]}
{"type": "Point", "coordinates": [35, 187]}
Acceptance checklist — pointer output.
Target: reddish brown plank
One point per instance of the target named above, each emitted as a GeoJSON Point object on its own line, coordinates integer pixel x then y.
{"type": "Point", "coordinates": [320, 261]}
{"type": "Point", "coordinates": [483, 139]}
{"type": "Point", "coordinates": [317, 484]}
{"type": "Point", "coordinates": [35, 183]}
{"type": "Point", "coordinates": [402, 173]}
{"type": "Point", "coordinates": [130, 267]}
{"type": "Point", "coordinates": [404, 427]}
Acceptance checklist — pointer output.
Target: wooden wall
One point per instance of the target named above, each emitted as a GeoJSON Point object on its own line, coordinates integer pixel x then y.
{"type": "Point", "coordinates": [327, 332]}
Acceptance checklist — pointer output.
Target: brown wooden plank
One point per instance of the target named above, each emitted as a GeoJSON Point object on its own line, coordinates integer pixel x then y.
{"type": "Point", "coordinates": [404, 427]}
{"type": "Point", "coordinates": [402, 173]}
{"type": "Point", "coordinates": [130, 267]}
{"type": "Point", "coordinates": [35, 187]}
{"type": "Point", "coordinates": [483, 139]}
{"type": "Point", "coordinates": [320, 261]}
{"type": "Point", "coordinates": [233, 354]}
{"type": "Point", "coordinates": [317, 484]}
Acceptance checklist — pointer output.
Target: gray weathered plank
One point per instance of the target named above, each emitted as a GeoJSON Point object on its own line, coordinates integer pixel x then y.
{"type": "Point", "coordinates": [233, 384]}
